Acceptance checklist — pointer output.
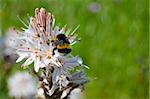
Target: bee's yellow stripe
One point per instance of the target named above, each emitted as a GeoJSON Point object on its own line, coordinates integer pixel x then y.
{"type": "Point", "coordinates": [63, 46]}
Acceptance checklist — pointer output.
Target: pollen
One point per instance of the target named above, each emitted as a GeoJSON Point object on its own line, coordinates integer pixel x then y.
{"type": "Point", "coordinates": [40, 58]}
{"type": "Point", "coordinates": [36, 51]}
{"type": "Point", "coordinates": [49, 54]}
{"type": "Point", "coordinates": [21, 44]}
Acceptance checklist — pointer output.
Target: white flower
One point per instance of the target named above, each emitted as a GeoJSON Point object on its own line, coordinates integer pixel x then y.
{"type": "Point", "coordinates": [35, 43]}
{"type": "Point", "coordinates": [60, 74]}
{"type": "Point", "coordinates": [21, 84]}
{"type": "Point", "coordinates": [78, 78]}
{"type": "Point", "coordinates": [10, 37]}
{"type": "Point", "coordinates": [40, 44]}
{"type": "Point", "coordinates": [75, 94]}
{"type": "Point", "coordinates": [59, 80]}
{"type": "Point", "coordinates": [40, 94]}
{"type": "Point", "coordinates": [67, 64]}
{"type": "Point", "coordinates": [71, 93]}
{"type": "Point", "coordinates": [8, 45]}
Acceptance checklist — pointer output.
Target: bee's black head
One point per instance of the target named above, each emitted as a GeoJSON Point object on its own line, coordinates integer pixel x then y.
{"type": "Point", "coordinates": [62, 37]}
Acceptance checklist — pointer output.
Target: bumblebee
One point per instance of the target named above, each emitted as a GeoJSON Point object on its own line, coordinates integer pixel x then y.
{"type": "Point", "coordinates": [62, 44]}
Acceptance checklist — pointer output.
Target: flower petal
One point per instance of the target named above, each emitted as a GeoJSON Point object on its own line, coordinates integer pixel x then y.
{"type": "Point", "coordinates": [36, 65]}
{"type": "Point", "coordinates": [28, 61]}
{"type": "Point", "coordinates": [56, 75]}
{"type": "Point", "coordinates": [54, 87]}
{"type": "Point", "coordinates": [20, 58]}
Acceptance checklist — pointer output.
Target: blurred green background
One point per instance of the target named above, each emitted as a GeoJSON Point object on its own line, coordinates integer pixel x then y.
{"type": "Point", "coordinates": [114, 41]}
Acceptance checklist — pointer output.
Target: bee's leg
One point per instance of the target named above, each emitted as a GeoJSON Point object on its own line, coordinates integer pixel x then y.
{"type": "Point", "coordinates": [54, 51]}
